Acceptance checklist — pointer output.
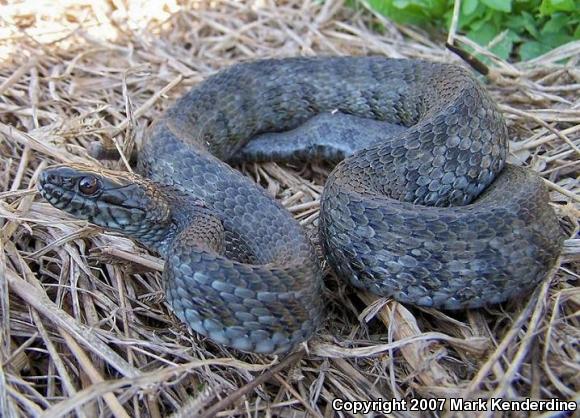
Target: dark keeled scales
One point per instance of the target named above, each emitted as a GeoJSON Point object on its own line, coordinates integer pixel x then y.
{"type": "Point", "coordinates": [240, 269]}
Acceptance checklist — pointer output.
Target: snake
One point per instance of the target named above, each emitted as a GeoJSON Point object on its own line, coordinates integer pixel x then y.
{"type": "Point", "coordinates": [421, 205]}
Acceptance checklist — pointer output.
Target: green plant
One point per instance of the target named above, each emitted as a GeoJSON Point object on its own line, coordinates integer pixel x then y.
{"type": "Point", "coordinates": [516, 29]}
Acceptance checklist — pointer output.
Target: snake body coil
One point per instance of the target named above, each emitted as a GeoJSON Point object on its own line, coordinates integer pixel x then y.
{"type": "Point", "coordinates": [398, 216]}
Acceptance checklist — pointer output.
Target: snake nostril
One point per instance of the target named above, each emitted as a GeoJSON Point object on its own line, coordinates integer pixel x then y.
{"type": "Point", "coordinates": [43, 177]}
{"type": "Point", "coordinates": [47, 177]}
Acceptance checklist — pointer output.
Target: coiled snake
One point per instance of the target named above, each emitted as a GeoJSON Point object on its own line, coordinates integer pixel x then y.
{"type": "Point", "coordinates": [396, 218]}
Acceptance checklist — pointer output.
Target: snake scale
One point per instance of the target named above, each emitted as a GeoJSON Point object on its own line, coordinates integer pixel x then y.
{"type": "Point", "coordinates": [422, 208]}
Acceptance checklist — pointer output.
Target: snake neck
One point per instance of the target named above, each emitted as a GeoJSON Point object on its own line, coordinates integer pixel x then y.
{"type": "Point", "coordinates": [186, 219]}
{"type": "Point", "coordinates": [133, 205]}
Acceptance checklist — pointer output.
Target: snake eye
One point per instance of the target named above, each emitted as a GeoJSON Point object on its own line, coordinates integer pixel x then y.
{"type": "Point", "coordinates": [89, 185]}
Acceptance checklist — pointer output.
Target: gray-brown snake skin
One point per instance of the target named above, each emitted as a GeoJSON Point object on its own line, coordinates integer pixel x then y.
{"type": "Point", "coordinates": [395, 216]}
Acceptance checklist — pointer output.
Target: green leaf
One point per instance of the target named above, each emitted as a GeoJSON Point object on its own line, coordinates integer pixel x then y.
{"type": "Point", "coordinates": [503, 48]}
{"type": "Point", "coordinates": [468, 7]}
{"type": "Point", "coordinates": [484, 33]}
{"type": "Point", "coordinates": [532, 49]}
{"type": "Point", "coordinates": [558, 23]}
{"type": "Point", "coordinates": [501, 5]}
{"type": "Point", "coordinates": [403, 11]}
{"type": "Point", "coordinates": [522, 23]}
{"type": "Point", "coordinates": [427, 8]}
{"type": "Point", "coordinates": [439, 7]}
{"type": "Point", "coordinates": [554, 40]}
{"type": "Point", "coordinates": [530, 24]}
{"type": "Point", "coordinates": [528, 28]}
{"type": "Point", "coordinates": [465, 20]}
{"type": "Point", "coordinates": [485, 19]}
{"type": "Point", "coordinates": [401, 4]}
{"type": "Point", "coordinates": [549, 7]}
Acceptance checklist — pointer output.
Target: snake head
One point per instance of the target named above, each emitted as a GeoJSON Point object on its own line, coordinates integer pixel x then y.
{"type": "Point", "coordinates": [118, 201]}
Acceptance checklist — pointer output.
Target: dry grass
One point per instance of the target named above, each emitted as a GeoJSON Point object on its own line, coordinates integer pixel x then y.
{"type": "Point", "coordinates": [84, 327]}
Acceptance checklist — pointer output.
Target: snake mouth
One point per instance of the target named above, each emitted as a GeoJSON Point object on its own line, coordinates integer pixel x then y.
{"type": "Point", "coordinates": [58, 190]}
{"type": "Point", "coordinates": [114, 203]}
{"type": "Point", "coordinates": [57, 181]}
